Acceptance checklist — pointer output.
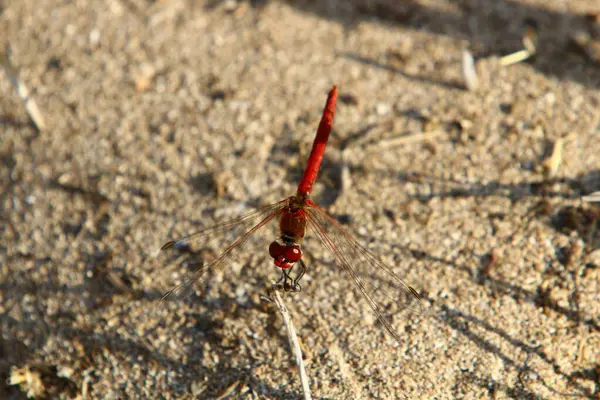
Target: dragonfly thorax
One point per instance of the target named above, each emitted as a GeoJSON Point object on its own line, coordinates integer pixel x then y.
{"type": "Point", "coordinates": [292, 224]}
{"type": "Point", "coordinates": [285, 254]}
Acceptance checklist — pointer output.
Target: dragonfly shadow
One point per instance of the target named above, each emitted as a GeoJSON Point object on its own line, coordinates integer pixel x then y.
{"type": "Point", "coordinates": [571, 188]}
{"type": "Point", "coordinates": [462, 323]}
{"type": "Point", "coordinates": [580, 218]}
{"type": "Point", "coordinates": [429, 186]}
{"type": "Point", "coordinates": [498, 287]}
{"type": "Point", "coordinates": [470, 327]}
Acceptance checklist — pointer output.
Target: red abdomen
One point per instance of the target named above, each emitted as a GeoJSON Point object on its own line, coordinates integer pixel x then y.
{"type": "Point", "coordinates": [293, 224]}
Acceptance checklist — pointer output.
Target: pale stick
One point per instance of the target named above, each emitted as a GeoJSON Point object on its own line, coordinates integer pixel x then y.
{"type": "Point", "coordinates": [30, 105]}
{"type": "Point", "coordinates": [275, 297]}
{"type": "Point", "coordinates": [468, 70]}
{"type": "Point", "coordinates": [529, 43]}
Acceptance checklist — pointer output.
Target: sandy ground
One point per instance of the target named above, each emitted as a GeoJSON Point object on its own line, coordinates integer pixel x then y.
{"type": "Point", "coordinates": [165, 116]}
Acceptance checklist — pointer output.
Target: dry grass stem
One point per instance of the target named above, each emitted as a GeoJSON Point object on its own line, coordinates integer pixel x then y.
{"type": "Point", "coordinates": [346, 177]}
{"type": "Point", "coordinates": [515, 57]}
{"type": "Point", "coordinates": [275, 297]}
{"type": "Point", "coordinates": [529, 44]}
{"type": "Point", "coordinates": [469, 72]}
{"type": "Point", "coordinates": [228, 390]}
{"type": "Point", "coordinates": [592, 197]}
{"type": "Point", "coordinates": [30, 105]}
{"type": "Point", "coordinates": [552, 163]}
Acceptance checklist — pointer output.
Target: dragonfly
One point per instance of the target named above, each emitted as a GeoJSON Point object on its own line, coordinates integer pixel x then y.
{"type": "Point", "coordinates": [383, 290]}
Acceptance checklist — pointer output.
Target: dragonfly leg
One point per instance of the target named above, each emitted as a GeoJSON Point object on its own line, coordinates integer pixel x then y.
{"type": "Point", "coordinates": [295, 284]}
{"type": "Point", "coordinates": [290, 284]}
{"type": "Point", "coordinates": [286, 278]}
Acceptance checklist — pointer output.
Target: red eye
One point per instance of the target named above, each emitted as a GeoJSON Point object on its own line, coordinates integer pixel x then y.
{"type": "Point", "coordinates": [276, 250]}
{"type": "Point", "coordinates": [292, 253]}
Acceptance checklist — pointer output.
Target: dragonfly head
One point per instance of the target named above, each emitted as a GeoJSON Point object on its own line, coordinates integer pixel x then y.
{"type": "Point", "coordinates": [286, 254]}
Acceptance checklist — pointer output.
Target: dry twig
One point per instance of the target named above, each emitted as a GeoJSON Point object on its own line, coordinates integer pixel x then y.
{"type": "Point", "coordinates": [468, 71]}
{"type": "Point", "coordinates": [30, 105]}
{"type": "Point", "coordinates": [552, 163]}
{"type": "Point", "coordinates": [229, 390]}
{"type": "Point", "coordinates": [592, 197]}
{"type": "Point", "coordinates": [275, 297]}
{"type": "Point", "coordinates": [529, 46]}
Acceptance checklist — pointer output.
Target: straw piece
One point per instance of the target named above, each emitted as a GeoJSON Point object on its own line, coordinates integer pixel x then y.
{"type": "Point", "coordinates": [30, 105]}
{"type": "Point", "coordinates": [469, 72]}
{"type": "Point", "coordinates": [592, 197]}
{"type": "Point", "coordinates": [514, 58]}
{"type": "Point", "coordinates": [529, 43]}
{"type": "Point", "coordinates": [552, 163]}
{"type": "Point", "coordinates": [292, 338]}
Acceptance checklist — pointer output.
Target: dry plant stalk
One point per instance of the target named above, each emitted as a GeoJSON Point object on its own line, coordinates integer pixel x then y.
{"type": "Point", "coordinates": [552, 163]}
{"type": "Point", "coordinates": [346, 177]}
{"type": "Point", "coordinates": [468, 71]}
{"type": "Point", "coordinates": [529, 44]}
{"type": "Point", "coordinates": [592, 197]}
{"type": "Point", "coordinates": [228, 390]}
{"type": "Point", "coordinates": [275, 297]}
{"type": "Point", "coordinates": [515, 57]}
{"type": "Point", "coordinates": [30, 105]}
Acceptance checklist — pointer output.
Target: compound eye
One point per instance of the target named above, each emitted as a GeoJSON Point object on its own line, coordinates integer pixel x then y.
{"type": "Point", "coordinates": [292, 253]}
{"type": "Point", "coordinates": [276, 250]}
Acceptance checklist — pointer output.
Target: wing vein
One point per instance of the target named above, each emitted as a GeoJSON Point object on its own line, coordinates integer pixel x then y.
{"type": "Point", "coordinates": [354, 258]}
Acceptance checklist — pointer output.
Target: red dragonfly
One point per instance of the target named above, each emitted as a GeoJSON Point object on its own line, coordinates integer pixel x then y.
{"type": "Point", "coordinates": [384, 291]}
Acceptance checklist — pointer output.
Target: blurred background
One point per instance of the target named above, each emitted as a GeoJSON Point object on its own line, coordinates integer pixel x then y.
{"type": "Point", "coordinates": [125, 123]}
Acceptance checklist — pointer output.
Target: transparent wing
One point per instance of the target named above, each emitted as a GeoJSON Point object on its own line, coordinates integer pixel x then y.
{"type": "Point", "coordinates": [384, 291]}
{"type": "Point", "coordinates": [233, 234]}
